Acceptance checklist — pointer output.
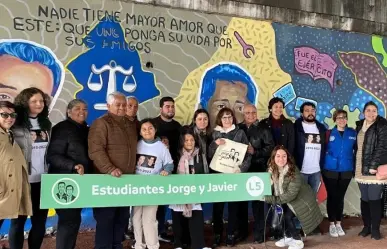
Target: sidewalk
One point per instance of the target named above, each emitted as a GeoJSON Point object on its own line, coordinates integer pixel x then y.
{"type": "Point", "coordinates": [350, 241]}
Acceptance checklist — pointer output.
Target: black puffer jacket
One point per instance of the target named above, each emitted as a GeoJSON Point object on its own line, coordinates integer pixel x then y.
{"type": "Point", "coordinates": [375, 144]}
{"type": "Point", "coordinates": [287, 132]}
{"type": "Point", "coordinates": [68, 147]}
{"type": "Point", "coordinates": [236, 135]}
{"type": "Point", "coordinates": [261, 139]}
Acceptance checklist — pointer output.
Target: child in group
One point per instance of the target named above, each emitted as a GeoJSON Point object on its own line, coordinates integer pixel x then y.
{"type": "Point", "coordinates": [190, 162]}
{"type": "Point", "coordinates": [153, 158]}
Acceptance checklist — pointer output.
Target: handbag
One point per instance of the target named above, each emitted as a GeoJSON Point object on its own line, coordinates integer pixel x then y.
{"type": "Point", "coordinates": [382, 172]}
{"type": "Point", "coordinates": [276, 219]}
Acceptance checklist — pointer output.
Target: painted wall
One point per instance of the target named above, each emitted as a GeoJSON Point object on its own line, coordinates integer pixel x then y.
{"type": "Point", "coordinates": [89, 48]}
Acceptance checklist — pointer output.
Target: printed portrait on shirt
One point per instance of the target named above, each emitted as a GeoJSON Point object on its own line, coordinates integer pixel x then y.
{"type": "Point", "coordinates": [313, 138]}
{"type": "Point", "coordinates": [39, 136]}
{"type": "Point", "coordinates": [146, 161]}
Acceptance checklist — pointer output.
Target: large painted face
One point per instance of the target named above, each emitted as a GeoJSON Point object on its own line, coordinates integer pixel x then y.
{"type": "Point", "coordinates": [231, 95]}
{"type": "Point", "coordinates": [16, 75]}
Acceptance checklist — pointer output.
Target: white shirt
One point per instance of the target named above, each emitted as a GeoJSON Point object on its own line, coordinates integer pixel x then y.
{"type": "Point", "coordinates": [311, 162]}
{"type": "Point", "coordinates": [151, 157]}
{"type": "Point", "coordinates": [39, 146]}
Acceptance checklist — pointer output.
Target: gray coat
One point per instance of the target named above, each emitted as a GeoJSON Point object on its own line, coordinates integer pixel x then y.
{"type": "Point", "coordinates": [23, 138]}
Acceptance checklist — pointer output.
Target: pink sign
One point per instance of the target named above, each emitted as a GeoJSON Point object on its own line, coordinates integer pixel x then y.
{"type": "Point", "coordinates": [319, 66]}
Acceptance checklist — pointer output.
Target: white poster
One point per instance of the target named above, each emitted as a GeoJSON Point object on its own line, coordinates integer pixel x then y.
{"type": "Point", "coordinates": [228, 156]}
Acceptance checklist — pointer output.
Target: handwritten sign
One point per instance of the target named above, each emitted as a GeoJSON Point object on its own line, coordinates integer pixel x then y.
{"type": "Point", "coordinates": [319, 66]}
{"type": "Point", "coordinates": [286, 93]}
{"type": "Point", "coordinates": [301, 101]}
{"type": "Point", "coordinates": [140, 30]}
{"type": "Point", "coordinates": [228, 156]}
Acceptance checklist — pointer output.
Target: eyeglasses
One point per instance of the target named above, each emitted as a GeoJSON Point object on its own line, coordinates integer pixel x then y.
{"type": "Point", "coordinates": [341, 118]}
{"type": "Point", "coordinates": [227, 118]}
{"type": "Point", "coordinates": [7, 115]}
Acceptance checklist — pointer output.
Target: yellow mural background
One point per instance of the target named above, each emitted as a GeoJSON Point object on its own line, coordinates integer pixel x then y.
{"type": "Point", "coordinates": [262, 66]}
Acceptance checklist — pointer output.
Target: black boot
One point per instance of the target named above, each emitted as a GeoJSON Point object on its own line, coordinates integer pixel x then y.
{"type": "Point", "coordinates": [376, 217]}
{"type": "Point", "coordinates": [366, 216]}
{"type": "Point", "coordinates": [230, 242]}
{"type": "Point", "coordinates": [217, 240]}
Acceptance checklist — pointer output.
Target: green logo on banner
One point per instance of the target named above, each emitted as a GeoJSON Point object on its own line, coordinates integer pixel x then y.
{"type": "Point", "coordinates": [65, 191]}
{"type": "Point", "coordinates": [75, 191]}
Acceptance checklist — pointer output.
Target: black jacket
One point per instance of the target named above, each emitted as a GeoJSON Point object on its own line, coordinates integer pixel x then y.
{"type": "Point", "coordinates": [68, 147]}
{"type": "Point", "coordinates": [301, 140]}
{"type": "Point", "coordinates": [374, 145]}
{"type": "Point", "coordinates": [260, 137]}
{"type": "Point", "coordinates": [236, 135]}
{"type": "Point", "coordinates": [287, 133]}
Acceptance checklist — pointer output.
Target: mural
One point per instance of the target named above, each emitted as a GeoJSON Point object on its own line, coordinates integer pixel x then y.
{"type": "Point", "coordinates": [88, 49]}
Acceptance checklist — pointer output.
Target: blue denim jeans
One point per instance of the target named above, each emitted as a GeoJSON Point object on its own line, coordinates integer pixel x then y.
{"type": "Point", "coordinates": [313, 180]}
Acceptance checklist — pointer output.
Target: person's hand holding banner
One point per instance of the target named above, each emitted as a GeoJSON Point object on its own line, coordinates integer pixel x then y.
{"type": "Point", "coordinates": [228, 156]}
{"type": "Point", "coordinates": [116, 173]}
{"type": "Point", "coordinates": [80, 169]}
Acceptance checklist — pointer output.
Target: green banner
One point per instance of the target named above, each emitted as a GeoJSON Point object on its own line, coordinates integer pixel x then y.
{"type": "Point", "coordinates": [76, 191]}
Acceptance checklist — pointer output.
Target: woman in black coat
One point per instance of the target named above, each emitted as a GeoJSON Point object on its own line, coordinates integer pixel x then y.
{"type": "Point", "coordinates": [68, 154]}
{"type": "Point", "coordinates": [226, 129]}
{"type": "Point", "coordinates": [371, 154]}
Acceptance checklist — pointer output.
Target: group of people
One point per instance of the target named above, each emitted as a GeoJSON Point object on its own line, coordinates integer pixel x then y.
{"type": "Point", "coordinates": [297, 155]}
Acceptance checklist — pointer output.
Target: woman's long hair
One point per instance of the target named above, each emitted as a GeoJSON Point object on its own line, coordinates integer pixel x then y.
{"type": "Point", "coordinates": [22, 109]}
{"type": "Point", "coordinates": [273, 167]}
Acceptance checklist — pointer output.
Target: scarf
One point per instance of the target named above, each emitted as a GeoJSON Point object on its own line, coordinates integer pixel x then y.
{"type": "Point", "coordinates": [186, 159]}
{"type": "Point", "coordinates": [222, 130]}
{"type": "Point", "coordinates": [279, 180]}
{"type": "Point", "coordinates": [366, 125]}
{"type": "Point", "coordinates": [203, 147]}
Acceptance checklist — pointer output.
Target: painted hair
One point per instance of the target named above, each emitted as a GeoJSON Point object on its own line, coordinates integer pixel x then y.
{"type": "Point", "coordinates": [29, 52]}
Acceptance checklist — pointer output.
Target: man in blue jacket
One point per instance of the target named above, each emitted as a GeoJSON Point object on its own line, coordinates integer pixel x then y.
{"type": "Point", "coordinates": [310, 145]}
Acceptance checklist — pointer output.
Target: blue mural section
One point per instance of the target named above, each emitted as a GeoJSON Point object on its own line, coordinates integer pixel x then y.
{"type": "Point", "coordinates": [345, 90]}
{"type": "Point", "coordinates": [110, 64]}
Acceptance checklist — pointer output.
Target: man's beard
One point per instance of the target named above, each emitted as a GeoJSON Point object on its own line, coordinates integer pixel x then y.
{"type": "Point", "coordinates": [168, 116]}
{"type": "Point", "coordinates": [310, 119]}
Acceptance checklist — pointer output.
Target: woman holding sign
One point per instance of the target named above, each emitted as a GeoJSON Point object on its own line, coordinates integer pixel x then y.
{"type": "Point", "coordinates": [153, 158]}
{"type": "Point", "coordinates": [68, 154]}
{"type": "Point", "coordinates": [190, 162]}
{"type": "Point", "coordinates": [295, 196]}
{"type": "Point", "coordinates": [236, 160]}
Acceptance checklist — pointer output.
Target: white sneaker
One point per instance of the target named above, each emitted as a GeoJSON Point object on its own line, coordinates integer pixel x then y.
{"type": "Point", "coordinates": [296, 244]}
{"type": "Point", "coordinates": [333, 231]}
{"type": "Point", "coordinates": [340, 230]}
{"type": "Point", "coordinates": [283, 242]}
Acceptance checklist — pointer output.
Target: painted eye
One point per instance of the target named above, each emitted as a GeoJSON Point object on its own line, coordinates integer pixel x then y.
{"type": "Point", "coordinates": [220, 106]}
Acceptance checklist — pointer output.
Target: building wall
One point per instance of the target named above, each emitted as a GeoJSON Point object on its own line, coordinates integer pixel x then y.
{"type": "Point", "coordinates": [193, 57]}
{"type": "Point", "coordinates": [364, 16]}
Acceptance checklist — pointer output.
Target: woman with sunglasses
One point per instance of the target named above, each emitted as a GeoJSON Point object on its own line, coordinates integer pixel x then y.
{"type": "Point", "coordinates": [14, 188]}
{"type": "Point", "coordinates": [338, 169]}
{"type": "Point", "coordinates": [32, 132]}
